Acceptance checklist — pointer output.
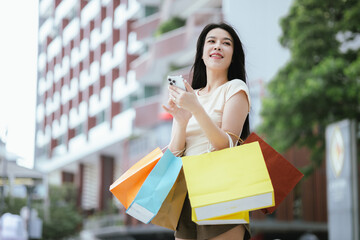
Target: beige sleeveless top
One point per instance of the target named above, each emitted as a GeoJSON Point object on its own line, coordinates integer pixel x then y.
{"type": "Point", "coordinates": [213, 103]}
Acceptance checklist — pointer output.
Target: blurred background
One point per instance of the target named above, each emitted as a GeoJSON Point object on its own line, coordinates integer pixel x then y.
{"type": "Point", "coordinates": [81, 88]}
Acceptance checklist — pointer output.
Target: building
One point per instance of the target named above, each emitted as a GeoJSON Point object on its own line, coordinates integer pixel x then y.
{"type": "Point", "coordinates": [101, 83]}
{"type": "Point", "coordinates": [83, 85]}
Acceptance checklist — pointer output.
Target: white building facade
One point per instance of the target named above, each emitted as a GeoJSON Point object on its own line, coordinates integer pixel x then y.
{"type": "Point", "coordinates": [101, 83]}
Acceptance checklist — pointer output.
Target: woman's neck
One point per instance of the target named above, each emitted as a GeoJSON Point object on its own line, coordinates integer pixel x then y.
{"type": "Point", "coordinates": [214, 79]}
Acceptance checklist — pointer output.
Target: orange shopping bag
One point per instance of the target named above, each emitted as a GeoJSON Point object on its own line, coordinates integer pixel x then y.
{"type": "Point", "coordinates": [128, 185]}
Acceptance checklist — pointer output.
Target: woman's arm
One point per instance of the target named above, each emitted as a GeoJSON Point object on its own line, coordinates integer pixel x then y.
{"type": "Point", "coordinates": [234, 115]}
{"type": "Point", "coordinates": [178, 137]}
{"type": "Point", "coordinates": [235, 112]}
{"type": "Point", "coordinates": [178, 133]}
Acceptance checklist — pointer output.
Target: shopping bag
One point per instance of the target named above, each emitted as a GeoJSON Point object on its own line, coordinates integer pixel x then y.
{"type": "Point", "coordinates": [127, 186]}
{"type": "Point", "coordinates": [169, 212]}
{"type": "Point", "coordinates": [284, 176]}
{"type": "Point", "coordinates": [228, 181]}
{"type": "Point", "coordinates": [155, 188]}
{"type": "Point", "coordinates": [234, 218]}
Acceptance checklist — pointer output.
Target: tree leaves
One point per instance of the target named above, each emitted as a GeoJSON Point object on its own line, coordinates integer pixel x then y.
{"type": "Point", "coordinates": [321, 82]}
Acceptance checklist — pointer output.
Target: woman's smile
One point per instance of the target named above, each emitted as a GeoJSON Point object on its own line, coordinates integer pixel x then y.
{"type": "Point", "coordinates": [216, 55]}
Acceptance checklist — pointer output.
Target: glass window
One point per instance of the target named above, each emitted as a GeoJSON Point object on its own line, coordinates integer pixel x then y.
{"type": "Point", "coordinates": [79, 129]}
{"type": "Point", "coordinates": [150, 10]}
{"type": "Point", "coordinates": [100, 117]}
{"type": "Point", "coordinates": [60, 140]}
{"type": "Point", "coordinates": [129, 101]}
{"type": "Point", "coordinates": [151, 91]}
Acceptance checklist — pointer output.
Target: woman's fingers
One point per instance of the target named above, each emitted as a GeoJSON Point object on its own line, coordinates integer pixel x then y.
{"type": "Point", "coordinates": [182, 98]}
{"type": "Point", "coordinates": [174, 95]}
{"type": "Point", "coordinates": [188, 87]}
{"type": "Point", "coordinates": [166, 108]}
{"type": "Point", "coordinates": [170, 109]}
{"type": "Point", "coordinates": [174, 92]}
{"type": "Point", "coordinates": [173, 98]}
{"type": "Point", "coordinates": [171, 103]}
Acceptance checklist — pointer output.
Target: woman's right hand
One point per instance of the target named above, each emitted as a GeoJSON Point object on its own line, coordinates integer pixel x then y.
{"type": "Point", "coordinates": [181, 115]}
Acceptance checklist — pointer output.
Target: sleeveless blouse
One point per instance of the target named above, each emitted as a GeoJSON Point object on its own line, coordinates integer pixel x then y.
{"type": "Point", "coordinates": [213, 103]}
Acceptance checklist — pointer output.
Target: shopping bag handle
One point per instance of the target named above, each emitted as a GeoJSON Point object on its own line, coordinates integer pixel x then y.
{"type": "Point", "coordinates": [239, 140]}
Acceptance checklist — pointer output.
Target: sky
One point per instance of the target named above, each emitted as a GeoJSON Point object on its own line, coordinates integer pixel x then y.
{"type": "Point", "coordinates": [18, 76]}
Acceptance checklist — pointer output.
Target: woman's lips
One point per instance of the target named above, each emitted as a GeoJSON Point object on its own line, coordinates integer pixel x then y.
{"type": "Point", "coordinates": [216, 55]}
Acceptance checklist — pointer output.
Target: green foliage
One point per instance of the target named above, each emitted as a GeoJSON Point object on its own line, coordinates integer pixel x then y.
{"type": "Point", "coordinates": [64, 220]}
{"type": "Point", "coordinates": [321, 82]}
{"type": "Point", "coordinates": [169, 25]}
{"type": "Point", "coordinates": [13, 205]}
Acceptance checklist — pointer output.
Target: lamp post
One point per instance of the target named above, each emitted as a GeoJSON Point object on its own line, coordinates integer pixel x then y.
{"type": "Point", "coordinates": [5, 156]}
{"type": "Point", "coordinates": [4, 175]}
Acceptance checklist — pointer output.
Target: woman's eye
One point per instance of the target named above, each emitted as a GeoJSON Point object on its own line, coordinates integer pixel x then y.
{"type": "Point", "coordinates": [227, 43]}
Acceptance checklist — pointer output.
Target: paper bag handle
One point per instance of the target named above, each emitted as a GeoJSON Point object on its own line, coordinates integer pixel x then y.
{"type": "Point", "coordinates": [239, 140]}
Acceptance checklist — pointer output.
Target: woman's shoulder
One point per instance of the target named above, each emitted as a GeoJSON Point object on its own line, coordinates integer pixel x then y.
{"type": "Point", "coordinates": [234, 86]}
{"type": "Point", "coordinates": [237, 83]}
{"type": "Point", "coordinates": [231, 87]}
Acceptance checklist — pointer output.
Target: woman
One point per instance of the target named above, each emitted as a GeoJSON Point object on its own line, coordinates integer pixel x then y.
{"type": "Point", "coordinates": [216, 104]}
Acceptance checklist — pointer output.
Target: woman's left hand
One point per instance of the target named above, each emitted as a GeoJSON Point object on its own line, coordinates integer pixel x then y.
{"type": "Point", "coordinates": [185, 99]}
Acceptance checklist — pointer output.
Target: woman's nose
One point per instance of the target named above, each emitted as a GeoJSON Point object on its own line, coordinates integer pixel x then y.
{"type": "Point", "coordinates": [217, 47]}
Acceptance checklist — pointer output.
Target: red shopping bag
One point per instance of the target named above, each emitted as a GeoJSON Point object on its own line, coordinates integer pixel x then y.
{"type": "Point", "coordinates": [284, 176]}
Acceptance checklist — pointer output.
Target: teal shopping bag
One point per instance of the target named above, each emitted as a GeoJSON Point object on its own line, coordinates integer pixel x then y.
{"type": "Point", "coordinates": [155, 188]}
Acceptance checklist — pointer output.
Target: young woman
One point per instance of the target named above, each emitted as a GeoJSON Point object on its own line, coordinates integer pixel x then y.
{"type": "Point", "coordinates": [215, 105]}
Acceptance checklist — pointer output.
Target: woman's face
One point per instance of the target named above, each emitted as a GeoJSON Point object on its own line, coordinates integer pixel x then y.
{"type": "Point", "coordinates": [218, 49]}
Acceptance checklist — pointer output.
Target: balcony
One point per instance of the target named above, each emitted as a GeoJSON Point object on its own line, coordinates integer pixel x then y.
{"type": "Point", "coordinates": [147, 113]}
{"type": "Point", "coordinates": [176, 46]}
{"type": "Point", "coordinates": [144, 28]}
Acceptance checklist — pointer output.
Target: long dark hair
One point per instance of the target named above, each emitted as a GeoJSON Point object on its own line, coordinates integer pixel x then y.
{"type": "Point", "coordinates": [236, 69]}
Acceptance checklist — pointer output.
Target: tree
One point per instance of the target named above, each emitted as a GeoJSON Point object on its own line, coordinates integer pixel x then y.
{"type": "Point", "coordinates": [64, 220]}
{"type": "Point", "coordinates": [13, 205]}
{"type": "Point", "coordinates": [169, 25]}
{"type": "Point", "coordinates": [321, 82]}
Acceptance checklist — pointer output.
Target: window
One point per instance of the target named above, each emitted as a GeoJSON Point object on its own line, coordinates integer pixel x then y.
{"type": "Point", "coordinates": [43, 151]}
{"type": "Point", "coordinates": [100, 117]}
{"type": "Point", "coordinates": [128, 101]}
{"type": "Point", "coordinates": [139, 145]}
{"type": "Point", "coordinates": [151, 91]}
{"type": "Point", "coordinates": [79, 129]}
{"type": "Point", "coordinates": [60, 140]}
{"type": "Point", "coordinates": [150, 10]}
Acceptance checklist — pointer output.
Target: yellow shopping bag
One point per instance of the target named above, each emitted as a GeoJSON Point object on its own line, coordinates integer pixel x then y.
{"type": "Point", "coordinates": [234, 218]}
{"type": "Point", "coordinates": [228, 181]}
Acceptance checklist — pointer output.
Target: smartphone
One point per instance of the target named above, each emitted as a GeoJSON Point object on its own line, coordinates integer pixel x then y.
{"type": "Point", "coordinates": [177, 81]}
